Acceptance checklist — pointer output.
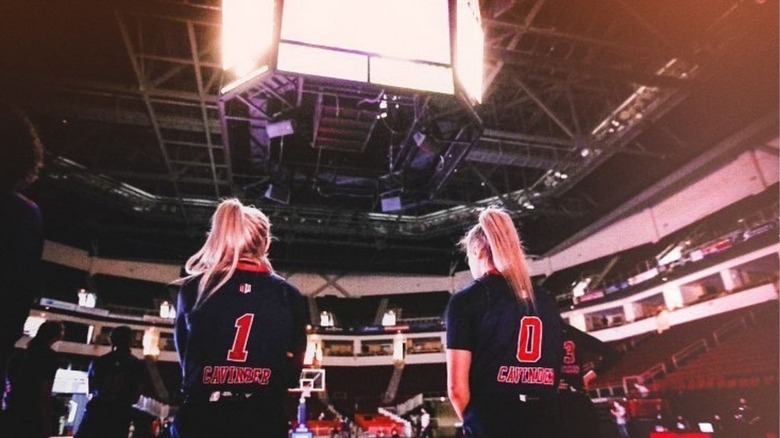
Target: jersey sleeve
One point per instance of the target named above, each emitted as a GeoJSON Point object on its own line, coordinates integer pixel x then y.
{"type": "Point", "coordinates": [460, 328]}
{"type": "Point", "coordinates": [184, 304]}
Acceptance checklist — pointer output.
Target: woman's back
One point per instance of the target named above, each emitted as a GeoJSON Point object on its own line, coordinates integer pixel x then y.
{"type": "Point", "coordinates": [239, 338]}
{"type": "Point", "coordinates": [516, 348]}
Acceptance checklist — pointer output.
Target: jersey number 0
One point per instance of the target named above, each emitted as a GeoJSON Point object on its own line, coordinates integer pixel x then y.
{"type": "Point", "coordinates": [238, 352]}
{"type": "Point", "coordinates": [529, 341]}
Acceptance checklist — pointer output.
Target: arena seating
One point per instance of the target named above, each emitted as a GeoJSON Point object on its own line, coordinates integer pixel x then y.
{"type": "Point", "coordinates": [657, 348]}
{"type": "Point", "coordinates": [377, 425]}
{"type": "Point", "coordinates": [746, 359]}
{"type": "Point", "coordinates": [357, 389]}
{"type": "Point", "coordinates": [428, 379]}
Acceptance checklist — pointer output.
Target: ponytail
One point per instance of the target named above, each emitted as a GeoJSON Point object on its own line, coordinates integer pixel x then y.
{"type": "Point", "coordinates": [237, 232]}
{"type": "Point", "coordinates": [497, 235]}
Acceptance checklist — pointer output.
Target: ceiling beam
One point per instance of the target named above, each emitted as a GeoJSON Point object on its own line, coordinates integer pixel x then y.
{"type": "Point", "coordinates": [203, 110]}
{"type": "Point", "coordinates": [150, 110]}
{"type": "Point", "coordinates": [547, 110]}
{"type": "Point", "coordinates": [518, 33]}
{"type": "Point", "coordinates": [554, 33]}
{"type": "Point", "coordinates": [625, 74]}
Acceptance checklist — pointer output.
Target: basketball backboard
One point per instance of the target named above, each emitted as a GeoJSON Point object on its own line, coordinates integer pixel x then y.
{"type": "Point", "coordinates": [311, 380]}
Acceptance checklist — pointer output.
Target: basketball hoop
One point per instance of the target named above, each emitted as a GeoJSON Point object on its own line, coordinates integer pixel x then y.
{"type": "Point", "coordinates": [310, 380]}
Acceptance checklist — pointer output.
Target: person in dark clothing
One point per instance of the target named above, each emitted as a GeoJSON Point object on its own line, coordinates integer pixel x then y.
{"type": "Point", "coordinates": [504, 340]}
{"type": "Point", "coordinates": [578, 414]}
{"type": "Point", "coordinates": [21, 230]}
{"type": "Point", "coordinates": [31, 408]}
{"type": "Point", "coordinates": [115, 380]}
{"type": "Point", "coordinates": [240, 332]}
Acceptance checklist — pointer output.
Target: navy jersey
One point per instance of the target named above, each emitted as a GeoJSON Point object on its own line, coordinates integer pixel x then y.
{"type": "Point", "coordinates": [248, 337]}
{"type": "Point", "coordinates": [515, 349]}
{"type": "Point", "coordinates": [576, 346]}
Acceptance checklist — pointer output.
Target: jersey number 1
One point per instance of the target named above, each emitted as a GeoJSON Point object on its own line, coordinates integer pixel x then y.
{"type": "Point", "coordinates": [529, 341]}
{"type": "Point", "coordinates": [237, 352]}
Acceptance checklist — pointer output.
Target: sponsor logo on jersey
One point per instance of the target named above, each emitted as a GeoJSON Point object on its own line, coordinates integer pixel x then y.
{"type": "Point", "coordinates": [245, 288]}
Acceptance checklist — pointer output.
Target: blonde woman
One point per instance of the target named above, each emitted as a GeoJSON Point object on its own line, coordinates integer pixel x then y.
{"type": "Point", "coordinates": [504, 340]}
{"type": "Point", "coordinates": [240, 332]}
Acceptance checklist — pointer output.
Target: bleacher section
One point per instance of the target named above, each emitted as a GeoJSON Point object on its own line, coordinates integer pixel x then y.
{"type": "Point", "coordinates": [378, 425]}
{"type": "Point", "coordinates": [426, 379]}
{"type": "Point", "coordinates": [746, 358]}
{"type": "Point", "coordinates": [735, 230]}
{"type": "Point", "coordinates": [660, 347]}
{"type": "Point", "coordinates": [357, 389]}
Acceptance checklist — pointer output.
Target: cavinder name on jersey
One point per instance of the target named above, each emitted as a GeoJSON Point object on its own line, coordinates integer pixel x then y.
{"type": "Point", "coordinates": [526, 375]}
{"type": "Point", "coordinates": [232, 375]}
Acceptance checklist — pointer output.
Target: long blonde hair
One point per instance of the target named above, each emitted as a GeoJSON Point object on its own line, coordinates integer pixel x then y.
{"type": "Point", "coordinates": [496, 236]}
{"type": "Point", "coordinates": [238, 232]}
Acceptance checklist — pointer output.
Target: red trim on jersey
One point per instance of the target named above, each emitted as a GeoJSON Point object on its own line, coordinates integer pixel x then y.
{"type": "Point", "coordinates": [252, 267]}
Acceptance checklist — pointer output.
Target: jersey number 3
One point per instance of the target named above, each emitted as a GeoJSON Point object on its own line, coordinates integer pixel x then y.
{"type": "Point", "coordinates": [569, 348]}
{"type": "Point", "coordinates": [529, 341]}
{"type": "Point", "coordinates": [238, 352]}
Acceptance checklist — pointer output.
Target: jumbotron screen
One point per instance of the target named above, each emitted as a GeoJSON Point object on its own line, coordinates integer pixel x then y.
{"type": "Point", "coordinates": [401, 29]}
{"type": "Point", "coordinates": [398, 43]}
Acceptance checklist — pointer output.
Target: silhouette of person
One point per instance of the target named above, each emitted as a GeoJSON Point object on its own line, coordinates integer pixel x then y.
{"type": "Point", "coordinates": [115, 380]}
{"type": "Point", "coordinates": [32, 410]}
{"type": "Point", "coordinates": [20, 227]}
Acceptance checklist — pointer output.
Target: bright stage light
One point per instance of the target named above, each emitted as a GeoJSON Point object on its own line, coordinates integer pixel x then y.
{"type": "Point", "coordinates": [470, 50]}
{"type": "Point", "coordinates": [247, 34]}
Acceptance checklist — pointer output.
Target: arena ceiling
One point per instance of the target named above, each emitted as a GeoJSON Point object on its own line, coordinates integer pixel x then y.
{"type": "Point", "coordinates": [586, 104]}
